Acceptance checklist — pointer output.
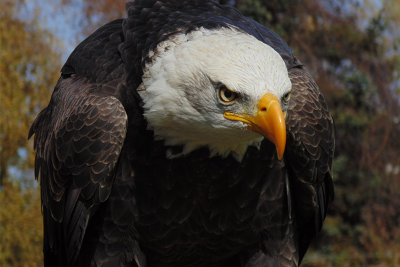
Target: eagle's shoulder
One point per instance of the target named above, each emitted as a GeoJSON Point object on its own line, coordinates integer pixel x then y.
{"type": "Point", "coordinates": [97, 57]}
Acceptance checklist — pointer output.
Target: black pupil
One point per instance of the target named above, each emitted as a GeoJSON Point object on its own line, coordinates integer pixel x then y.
{"type": "Point", "coordinates": [228, 94]}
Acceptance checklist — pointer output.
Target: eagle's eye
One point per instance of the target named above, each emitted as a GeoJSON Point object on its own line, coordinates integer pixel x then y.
{"type": "Point", "coordinates": [286, 96]}
{"type": "Point", "coordinates": [227, 95]}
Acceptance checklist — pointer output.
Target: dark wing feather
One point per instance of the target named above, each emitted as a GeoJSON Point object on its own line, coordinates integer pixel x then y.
{"type": "Point", "coordinates": [78, 142]}
{"type": "Point", "coordinates": [309, 152]}
{"type": "Point", "coordinates": [78, 139]}
{"type": "Point", "coordinates": [97, 58]}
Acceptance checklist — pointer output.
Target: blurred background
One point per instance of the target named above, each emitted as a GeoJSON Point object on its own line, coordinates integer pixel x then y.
{"type": "Point", "coordinates": [352, 49]}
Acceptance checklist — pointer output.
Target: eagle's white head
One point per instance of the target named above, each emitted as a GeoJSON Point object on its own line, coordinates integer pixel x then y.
{"type": "Point", "coordinates": [222, 89]}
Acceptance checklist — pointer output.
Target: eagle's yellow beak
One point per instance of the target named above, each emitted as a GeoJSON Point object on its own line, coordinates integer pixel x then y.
{"type": "Point", "coordinates": [269, 121]}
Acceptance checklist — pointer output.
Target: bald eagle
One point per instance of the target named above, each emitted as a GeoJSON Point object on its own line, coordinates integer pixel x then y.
{"type": "Point", "coordinates": [183, 135]}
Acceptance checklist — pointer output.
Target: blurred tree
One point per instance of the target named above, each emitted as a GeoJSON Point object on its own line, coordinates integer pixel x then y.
{"type": "Point", "coordinates": [21, 226]}
{"type": "Point", "coordinates": [96, 13]}
{"type": "Point", "coordinates": [29, 69]}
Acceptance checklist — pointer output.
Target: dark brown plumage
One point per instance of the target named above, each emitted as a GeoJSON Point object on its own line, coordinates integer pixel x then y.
{"type": "Point", "coordinates": [111, 197]}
